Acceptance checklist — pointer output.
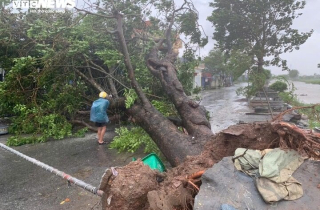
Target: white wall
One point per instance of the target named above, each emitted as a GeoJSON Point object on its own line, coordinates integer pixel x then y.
{"type": "Point", "coordinates": [197, 79]}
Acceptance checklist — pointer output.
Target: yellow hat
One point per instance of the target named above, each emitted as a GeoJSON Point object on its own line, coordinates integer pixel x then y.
{"type": "Point", "coordinates": [103, 94]}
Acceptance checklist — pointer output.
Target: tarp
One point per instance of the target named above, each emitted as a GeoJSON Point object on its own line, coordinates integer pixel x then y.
{"type": "Point", "coordinates": [272, 170]}
{"type": "Point", "coordinates": [223, 184]}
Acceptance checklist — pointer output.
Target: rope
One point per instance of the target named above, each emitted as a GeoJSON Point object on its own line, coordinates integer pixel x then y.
{"type": "Point", "coordinates": [65, 176]}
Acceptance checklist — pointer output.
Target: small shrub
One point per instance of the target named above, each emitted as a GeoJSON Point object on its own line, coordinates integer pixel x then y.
{"type": "Point", "coordinates": [279, 86]}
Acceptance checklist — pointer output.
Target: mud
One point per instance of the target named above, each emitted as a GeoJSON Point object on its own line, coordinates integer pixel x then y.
{"type": "Point", "coordinates": [179, 187]}
{"type": "Point", "coordinates": [129, 186]}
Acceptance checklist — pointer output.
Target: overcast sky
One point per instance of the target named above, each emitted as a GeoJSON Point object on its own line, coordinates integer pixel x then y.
{"type": "Point", "coordinates": [304, 60]}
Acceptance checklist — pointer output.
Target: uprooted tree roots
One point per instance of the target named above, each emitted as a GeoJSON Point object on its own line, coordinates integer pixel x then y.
{"type": "Point", "coordinates": [138, 187]}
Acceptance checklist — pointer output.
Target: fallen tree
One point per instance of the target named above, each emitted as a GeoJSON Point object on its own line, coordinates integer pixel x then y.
{"type": "Point", "coordinates": [59, 63]}
{"type": "Point", "coordinates": [177, 188]}
{"type": "Point", "coordinates": [174, 144]}
{"type": "Point", "coordinates": [64, 66]}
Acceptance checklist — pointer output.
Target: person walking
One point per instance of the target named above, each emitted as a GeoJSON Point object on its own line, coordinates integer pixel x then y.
{"type": "Point", "coordinates": [98, 115]}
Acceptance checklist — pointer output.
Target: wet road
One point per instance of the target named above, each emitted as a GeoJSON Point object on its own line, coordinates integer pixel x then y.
{"type": "Point", "coordinates": [29, 187]}
{"type": "Point", "coordinates": [226, 108]}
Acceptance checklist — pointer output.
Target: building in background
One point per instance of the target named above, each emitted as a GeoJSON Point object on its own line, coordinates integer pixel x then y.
{"type": "Point", "coordinates": [2, 73]}
{"type": "Point", "coordinates": [197, 82]}
{"type": "Point", "coordinates": [206, 79]}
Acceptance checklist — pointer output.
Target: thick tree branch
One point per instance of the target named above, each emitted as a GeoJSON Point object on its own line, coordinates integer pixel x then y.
{"type": "Point", "coordinates": [127, 61]}
{"type": "Point", "coordinates": [91, 81]}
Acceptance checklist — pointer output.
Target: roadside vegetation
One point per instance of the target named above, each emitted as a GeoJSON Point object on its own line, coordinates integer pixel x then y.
{"type": "Point", "coordinates": [310, 80]}
{"type": "Point", "coordinates": [286, 92]}
{"type": "Point", "coordinates": [296, 76]}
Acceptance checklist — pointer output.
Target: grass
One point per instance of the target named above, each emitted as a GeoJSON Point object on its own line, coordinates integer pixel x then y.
{"type": "Point", "coordinates": [311, 81]}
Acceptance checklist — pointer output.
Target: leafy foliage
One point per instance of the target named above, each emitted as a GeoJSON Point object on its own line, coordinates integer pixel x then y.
{"type": "Point", "coordinates": [131, 97]}
{"type": "Point", "coordinates": [133, 139]}
{"type": "Point", "coordinates": [57, 62]}
{"type": "Point", "coordinates": [289, 95]}
{"type": "Point", "coordinates": [224, 64]}
{"type": "Point", "coordinates": [279, 86]}
{"type": "Point", "coordinates": [37, 105]}
{"type": "Point", "coordinates": [197, 90]}
{"type": "Point", "coordinates": [186, 70]}
{"type": "Point", "coordinates": [261, 28]}
{"type": "Point", "coordinates": [255, 83]}
{"type": "Point", "coordinates": [215, 62]}
{"type": "Point", "coordinates": [165, 107]}
{"type": "Point", "coordinates": [189, 27]}
{"type": "Point", "coordinates": [238, 62]}
{"type": "Point", "coordinates": [41, 91]}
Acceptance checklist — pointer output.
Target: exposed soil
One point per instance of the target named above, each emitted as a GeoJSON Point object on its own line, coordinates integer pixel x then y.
{"type": "Point", "coordinates": [138, 187]}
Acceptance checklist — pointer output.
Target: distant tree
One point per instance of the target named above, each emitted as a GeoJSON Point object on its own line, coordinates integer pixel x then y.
{"type": "Point", "coordinates": [261, 28]}
{"type": "Point", "coordinates": [293, 74]}
{"type": "Point", "coordinates": [232, 64]}
{"type": "Point", "coordinates": [215, 62]}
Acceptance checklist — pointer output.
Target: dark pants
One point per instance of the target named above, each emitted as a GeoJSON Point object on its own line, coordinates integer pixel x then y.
{"type": "Point", "coordinates": [100, 124]}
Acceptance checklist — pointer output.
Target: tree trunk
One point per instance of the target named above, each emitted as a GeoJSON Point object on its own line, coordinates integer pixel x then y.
{"type": "Point", "coordinates": [173, 143]}
{"type": "Point", "coordinates": [193, 115]}
{"type": "Point", "coordinates": [260, 65]}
